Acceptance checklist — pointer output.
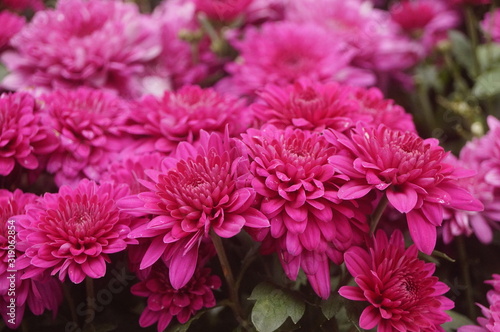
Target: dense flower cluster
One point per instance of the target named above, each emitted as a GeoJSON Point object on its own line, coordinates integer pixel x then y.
{"type": "Point", "coordinates": [265, 141]}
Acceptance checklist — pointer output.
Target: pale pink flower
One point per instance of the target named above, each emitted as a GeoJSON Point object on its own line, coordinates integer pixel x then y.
{"type": "Point", "coordinates": [197, 191]}
{"type": "Point", "coordinates": [71, 233]}
{"type": "Point", "coordinates": [374, 40]}
{"type": "Point", "coordinates": [166, 302]}
{"type": "Point", "coordinates": [491, 320]}
{"type": "Point", "coordinates": [88, 124]}
{"type": "Point", "coordinates": [11, 24]}
{"type": "Point", "coordinates": [400, 289]}
{"type": "Point", "coordinates": [482, 155]}
{"type": "Point", "coordinates": [39, 294]}
{"type": "Point", "coordinates": [411, 171]}
{"type": "Point", "coordinates": [267, 55]}
{"type": "Point", "coordinates": [297, 191]}
{"type": "Point", "coordinates": [23, 138]}
{"type": "Point", "coordinates": [425, 20]}
{"type": "Point", "coordinates": [180, 116]}
{"type": "Point", "coordinates": [97, 43]}
{"type": "Point", "coordinates": [491, 25]}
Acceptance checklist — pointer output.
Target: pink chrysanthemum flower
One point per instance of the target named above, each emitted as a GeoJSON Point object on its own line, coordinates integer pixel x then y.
{"type": "Point", "coordinates": [97, 43]}
{"type": "Point", "coordinates": [297, 191]}
{"type": "Point", "coordinates": [374, 40]}
{"type": "Point", "coordinates": [23, 138]}
{"type": "Point", "coordinates": [72, 233]}
{"type": "Point", "coordinates": [411, 171]}
{"type": "Point", "coordinates": [166, 302]}
{"type": "Point", "coordinates": [11, 24]}
{"type": "Point", "coordinates": [314, 106]}
{"type": "Point", "coordinates": [23, 4]}
{"type": "Point", "coordinates": [196, 192]}
{"type": "Point", "coordinates": [38, 295]}
{"type": "Point", "coordinates": [482, 155]}
{"type": "Point", "coordinates": [491, 320]}
{"type": "Point", "coordinates": [222, 10]}
{"type": "Point", "coordinates": [425, 20]}
{"type": "Point", "coordinates": [179, 116]}
{"type": "Point", "coordinates": [491, 25]}
{"type": "Point", "coordinates": [268, 57]}
{"type": "Point", "coordinates": [400, 289]}
{"type": "Point", "coordinates": [88, 124]}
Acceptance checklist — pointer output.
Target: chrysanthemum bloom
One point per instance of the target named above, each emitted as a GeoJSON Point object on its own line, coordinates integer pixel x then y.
{"type": "Point", "coordinates": [88, 124]}
{"type": "Point", "coordinates": [267, 55]}
{"type": "Point", "coordinates": [315, 106]}
{"type": "Point", "coordinates": [38, 295]}
{"type": "Point", "coordinates": [297, 191]}
{"type": "Point", "coordinates": [197, 191]}
{"type": "Point", "coordinates": [491, 25]}
{"type": "Point", "coordinates": [400, 289]}
{"type": "Point", "coordinates": [374, 40]}
{"type": "Point", "coordinates": [72, 233]}
{"type": "Point", "coordinates": [425, 20]}
{"type": "Point", "coordinates": [411, 171]}
{"type": "Point", "coordinates": [166, 302]}
{"type": "Point", "coordinates": [11, 24]}
{"type": "Point", "coordinates": [482, 155]}
{"type": "Point", "coordinates": [222, 10]}
{"type": "Point", "coordinates": [97, 43]}
{"type": "Point", "coordinates": [179, 116]}
{"type": "Point", "coordinates": [491, 320]}
{"type": "Point", "coordinates": [23, 138]}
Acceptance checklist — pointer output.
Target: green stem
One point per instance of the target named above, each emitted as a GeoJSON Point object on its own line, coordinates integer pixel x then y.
{"type": "Point", "coordinates": [464, 264]}
{"type": "Point", "coordinates": [71, 303]}
{"type": "Point", "coordinates": [377, 214]}
{"type": "Point", "coordinates": [89, 288]}
{"type": "Point", "coordinates": [228, 275]}
{"type": "Point", "coordinates": [471, 23]}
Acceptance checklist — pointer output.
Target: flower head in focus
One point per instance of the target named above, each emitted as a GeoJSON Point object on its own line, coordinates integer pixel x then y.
{"type": "Point", "coordinates": [23, 138]}
{"type": "Point", "coordinates": [411, 171]}
{"type": "Point", "coordinates": [399, 287]}
{"type": "Point", "coordinates": [71, 233]}
{"type": "Point", "coordinates": [199, 190]}
{"type": "Point", "coordinates": [297, 191]}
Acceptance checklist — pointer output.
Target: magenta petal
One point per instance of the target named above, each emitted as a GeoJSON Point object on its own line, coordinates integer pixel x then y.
{"type": "Point", "coordinates": [95, 267]}
{"type": "Point", "coordinates": [271, 207]}
{"type": "Point", "coordinates": [404, 201]}
{"type": "Point", "coordinates": [422, 232]}
{"type": "Point", "coordinates": [255, 219]}
{"type": "Point", "coordinates": [154, 252]}
{"type": "Point", "coordinates": [352, 293]}
{"type": "Point", "coordinates": [6, 165]}
{"type": "Point", "coordinates": [231, 226]}
{"type": "Point", "coordinates": [354, 189]}
{"type": "Point", "coordinates": [182, 267]}
{"type": "Point", "coordinates": [357, 261]}
{"type": "Point", "coordinates": [369, 318]}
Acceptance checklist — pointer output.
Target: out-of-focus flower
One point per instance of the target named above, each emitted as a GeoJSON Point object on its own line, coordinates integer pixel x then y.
{"type": "Point", "coordinates": [180, 116]}
{"type": "Point", "coordinates": [198, 191]}
{"type": "Point", "coordinates": [23, 138]}
{"type": "Point", "coordinates": [425, 20]}
{"type": "Point", "coordinates": [88, 124]}
{"type": "Point", "coordinates": [297, 191]}
{"type": "Point", "coordinates": [482, 155]}
{"type": "Point", "coordinates": [23, 4]}
{"type": "Point", "coordinates": [11, 24]}
{"type": "Point", "coordinates": [411, 171]}
{"type": "Point", "coordinates": [38, 295]}
{"type": "Point", "coordinates": [400, 289]}
{"type": "Point", "coordinates": [97, 43]}
{"type": "Point", "coordinates": [72, 233]}
{"type": "Point", "coordinates": [222, 10]}
{"type": "Point", "coordinates": [374, 40]}
{"type": "Point", "coordinates": [470, 2]}
{"type": "Point", "coordinates": [491, 320]}
{"type": "Point", "coordinates": [491, 25]}
{"type": "Point", "coordinates": [166, 302]}
{"type": "Point", "coordinates": [267, 55]}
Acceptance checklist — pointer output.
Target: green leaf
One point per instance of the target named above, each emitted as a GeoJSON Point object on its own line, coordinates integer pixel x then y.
{"type": "Point", "coordinates": [488, 56]}
{"type": "Point", "coordinates": [330, 306]}
{"type": "Point", "coordinates": [487, 84]}
{"type": "Point", "coordinates": [462, 50]}
{"type": "Point", "coordinates": [273, 307]}
{"type": "Point", "coordinates": [457, 321]}
{"type": "Point", "coordinates": [184, 327]}
{"type": "Point", "coordinates": [3, 72]}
